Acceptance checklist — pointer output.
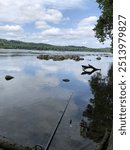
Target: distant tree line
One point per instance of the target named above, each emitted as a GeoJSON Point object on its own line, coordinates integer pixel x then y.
{"type": "Point", "coordinates": [12, 44]}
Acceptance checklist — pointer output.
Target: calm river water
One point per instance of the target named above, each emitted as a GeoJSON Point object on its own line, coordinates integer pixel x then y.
{"type": "Point", "coordinates": [32, 102]}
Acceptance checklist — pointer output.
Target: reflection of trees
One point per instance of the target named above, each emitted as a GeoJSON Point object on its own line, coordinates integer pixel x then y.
{"type": "Point", "coordinates": [99, 111]}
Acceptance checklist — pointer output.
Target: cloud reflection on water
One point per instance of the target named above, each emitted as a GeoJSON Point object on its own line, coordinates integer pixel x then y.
{"type": "Point", "coordinates": [33, 101]}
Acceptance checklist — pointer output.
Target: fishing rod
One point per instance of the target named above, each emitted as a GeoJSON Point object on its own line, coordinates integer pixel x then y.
{"type": "Point", "coordinates": [40, 147]}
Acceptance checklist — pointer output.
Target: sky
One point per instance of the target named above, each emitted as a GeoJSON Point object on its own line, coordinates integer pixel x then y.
{"type": "Point", "coordinates": [57, 22]}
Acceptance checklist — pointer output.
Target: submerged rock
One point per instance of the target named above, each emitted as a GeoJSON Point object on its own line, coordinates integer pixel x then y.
{"type": "Point", "coordinates": [8, 77]}
{"type": "Point", "coordinates": [106, 56]}
{"type": "Point", "coordinates": [66, 80]}
{"type": "Point", "coordinates": [89, 60]}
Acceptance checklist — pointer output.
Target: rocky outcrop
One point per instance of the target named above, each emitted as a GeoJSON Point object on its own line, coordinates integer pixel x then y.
{"type": "Point", "coordinates": [60, 57]}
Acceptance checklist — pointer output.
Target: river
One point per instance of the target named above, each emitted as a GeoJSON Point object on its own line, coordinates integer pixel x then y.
{"type": "Point", "coordinates": [33, 101]}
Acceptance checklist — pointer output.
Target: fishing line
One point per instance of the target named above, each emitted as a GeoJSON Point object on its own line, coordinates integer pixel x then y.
{"type": "Point", "coordinates": [40, 147]}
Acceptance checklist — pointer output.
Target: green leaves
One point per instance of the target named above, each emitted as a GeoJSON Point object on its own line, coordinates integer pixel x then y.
{"type": "Point", "coordinates": [104, 26]}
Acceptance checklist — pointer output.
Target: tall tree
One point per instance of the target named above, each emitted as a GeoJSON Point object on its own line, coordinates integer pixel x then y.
{"type": "Point", "coordinates": [104, 26]}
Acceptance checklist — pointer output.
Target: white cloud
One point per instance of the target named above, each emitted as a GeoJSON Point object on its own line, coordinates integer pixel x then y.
{"type": "Point", "coordinates": [65, 4]}
{"type": "Point", "coordinates": [14, 28]}
{"type": "Point", "coordinates": [28, 11]}
{"type": "Point", "coordinates": [84, 29]}
{"type": "Point", "coordinates": [53, 15]}
{"type": "Point", "coordinates": [23, 11]}
{"type": "Point", "coordinates": [52, 32]}
{"type": "Point", "coordinates": [90, 21]}
{"type": "Point", "coordinates": [46, 16]}
{"type": "Point", "coordinates": [10, 68]}
{"type": "Point", "coordinates": [41, 25]}
{"type": "Point", "coordinates": [80, 35]}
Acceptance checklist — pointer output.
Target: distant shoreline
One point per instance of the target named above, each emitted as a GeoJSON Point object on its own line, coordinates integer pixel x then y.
{"type": "Point", "coordinates": [12, 44]}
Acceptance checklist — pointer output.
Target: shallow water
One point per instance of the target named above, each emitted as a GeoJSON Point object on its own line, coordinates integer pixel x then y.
{"type": "Point", "coordinates": [32, 103]}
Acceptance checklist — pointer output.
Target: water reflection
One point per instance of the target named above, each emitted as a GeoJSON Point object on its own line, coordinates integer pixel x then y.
{"type": "Point", "coordinates": [32, 102]}
{"type": "Point", "coordinates": [99, 110]}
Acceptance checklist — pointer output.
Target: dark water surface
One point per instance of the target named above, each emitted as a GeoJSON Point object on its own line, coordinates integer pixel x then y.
{"type": "Point", "coordinates": [32, 102]}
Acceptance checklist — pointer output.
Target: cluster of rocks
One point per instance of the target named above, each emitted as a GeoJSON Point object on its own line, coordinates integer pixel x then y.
{"type": "Point", "coordinates": [60, 57]}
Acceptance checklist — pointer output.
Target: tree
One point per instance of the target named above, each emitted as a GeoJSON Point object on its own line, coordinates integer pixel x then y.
{"type": "Point", "coordinates": [104, 26]}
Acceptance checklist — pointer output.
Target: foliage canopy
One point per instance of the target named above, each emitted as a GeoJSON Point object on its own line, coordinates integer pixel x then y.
{"type": "Point", "coordinates": [104, 26]}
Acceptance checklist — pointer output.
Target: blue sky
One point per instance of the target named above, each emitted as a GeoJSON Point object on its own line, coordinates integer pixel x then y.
{"type": "Point", "coordinates": [66, 22]}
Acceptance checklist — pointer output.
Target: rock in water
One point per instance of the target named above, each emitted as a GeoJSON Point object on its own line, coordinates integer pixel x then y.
{"type": "Point", "coordinates": [66, 80]}
{"type": "Point", "coordinates": [8, 77]}
{"type": "Point", "coordinates": [98, 58]}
